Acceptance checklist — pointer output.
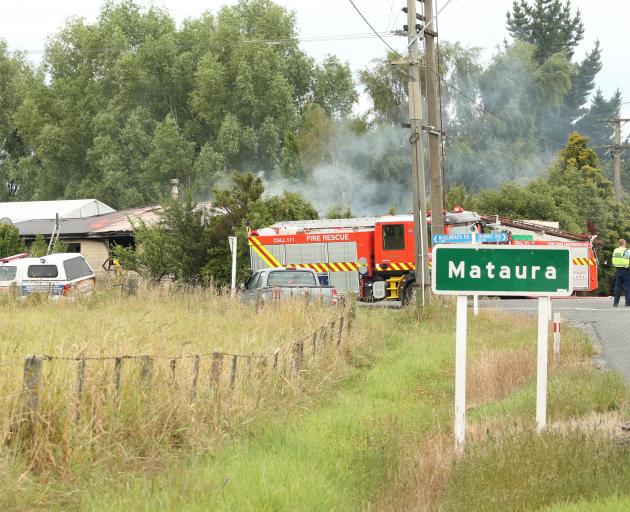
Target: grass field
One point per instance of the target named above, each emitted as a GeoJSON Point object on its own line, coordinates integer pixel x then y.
{"type": "Point", "coordinates": [365, 428]}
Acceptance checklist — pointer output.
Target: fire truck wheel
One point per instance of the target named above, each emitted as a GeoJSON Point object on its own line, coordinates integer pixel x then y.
{"type": "Point", "coordinates": [409, 293]}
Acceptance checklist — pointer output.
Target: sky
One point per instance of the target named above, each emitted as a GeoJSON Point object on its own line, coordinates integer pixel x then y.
{"type": "Point", "coordinates": [26, 24]}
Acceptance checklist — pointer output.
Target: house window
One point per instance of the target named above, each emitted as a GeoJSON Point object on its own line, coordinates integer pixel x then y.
{"type": "Point", "coordinates": [74, 247]}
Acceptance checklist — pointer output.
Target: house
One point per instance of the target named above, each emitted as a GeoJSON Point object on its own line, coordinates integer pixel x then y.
{"type": "Point", "coordinates": [93, 236]}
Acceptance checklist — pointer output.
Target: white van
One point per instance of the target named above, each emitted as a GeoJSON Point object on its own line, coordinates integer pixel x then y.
{"type": "Point", "coordinates": [56, 275]}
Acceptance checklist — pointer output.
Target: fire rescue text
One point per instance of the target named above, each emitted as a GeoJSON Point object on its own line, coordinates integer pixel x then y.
{"type": "Point", "coordinates": [328, 237]}
{"type": "Point", "coordinates": [504, 272]}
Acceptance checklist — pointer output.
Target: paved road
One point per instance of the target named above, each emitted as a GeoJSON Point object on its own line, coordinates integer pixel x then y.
{"type": "Point", "coordinates": [610, 326]}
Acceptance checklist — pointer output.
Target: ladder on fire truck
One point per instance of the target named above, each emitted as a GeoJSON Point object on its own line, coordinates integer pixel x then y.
{"type": "Point", "coordinates": [496, 220]}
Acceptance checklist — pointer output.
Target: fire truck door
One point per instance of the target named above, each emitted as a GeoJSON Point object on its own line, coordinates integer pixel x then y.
{"type": "Point", "coordinates": [392, 244]}
{"type": "Point", "coordinates": [343, 252]}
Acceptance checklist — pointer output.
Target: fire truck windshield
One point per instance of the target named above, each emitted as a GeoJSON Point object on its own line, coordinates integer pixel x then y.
{"type": "Point", "coordinates": [393, 237]}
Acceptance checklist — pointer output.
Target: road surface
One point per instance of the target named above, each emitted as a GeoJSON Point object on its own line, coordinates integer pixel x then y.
{"type": "Point", "coordinates": [610, 326]}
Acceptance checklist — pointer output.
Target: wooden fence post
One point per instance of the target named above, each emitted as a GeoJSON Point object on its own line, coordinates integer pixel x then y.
{"type": "Point", "coordinates": [146, 369]}
{"type": "Point", "coordinates": [215, 372]}
{"type": "Point", "coordinates": [298, 354]}
{"type": "Point", "coordinates": [173, 366]}
{"type": "Point", "coordinates": [352, 314]}
{"type": "Point", "coordinates": [275, 358]}
{"type": "Point", "coordinates": [233, 371]}
{"type": "Point", "coordinates": [314, 340]}
{"type": "Point", "coordinates": [194, 374]}
{"type": "Point", "coordinates": [340, 335]}
{"type": "Point", "coordinates": [80, 378]}
{"type": "Point", "coordinates": [331, 331]}
{"type": "Point", "coordinates": [32, 385]}
{"type": "Point", "coordinates": [117, 368]}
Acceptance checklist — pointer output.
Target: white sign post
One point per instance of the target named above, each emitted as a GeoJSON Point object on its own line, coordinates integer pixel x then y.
{"type": "Point", "coordinates": [461, 325]}
{"type": "Point", "coordinates": [544, 305]}
{"type": "Point", "coordinates": [232, 240]}
{"type": "Point", "coordinates": [462, 270]}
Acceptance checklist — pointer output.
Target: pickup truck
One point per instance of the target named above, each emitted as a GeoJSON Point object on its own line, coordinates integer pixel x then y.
{"type": "Point", "coordinates": [278, 284]}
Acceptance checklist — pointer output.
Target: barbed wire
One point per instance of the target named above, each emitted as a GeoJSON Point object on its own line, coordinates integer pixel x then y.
{"type": "Point", "coordinates": [49, 357]}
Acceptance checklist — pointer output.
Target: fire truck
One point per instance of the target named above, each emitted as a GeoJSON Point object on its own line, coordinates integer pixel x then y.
{"type": "Point", "coordinates": [374, 256]}
{"type": "Point", "coordinates": [371, 256]}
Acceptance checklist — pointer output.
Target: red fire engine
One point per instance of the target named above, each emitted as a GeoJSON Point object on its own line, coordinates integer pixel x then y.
{"type": "Point", "coordinates": [372, 256]}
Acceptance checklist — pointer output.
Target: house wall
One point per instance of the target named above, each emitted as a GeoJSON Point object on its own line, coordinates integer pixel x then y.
{"type": "Point", "coordinates": [96, 252]}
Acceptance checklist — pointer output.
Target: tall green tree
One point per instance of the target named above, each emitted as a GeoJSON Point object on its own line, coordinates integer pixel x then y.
{"type": "Point", "coordinates": [123, 104]}
{"type": "Point", "coordinates": [10, 241]}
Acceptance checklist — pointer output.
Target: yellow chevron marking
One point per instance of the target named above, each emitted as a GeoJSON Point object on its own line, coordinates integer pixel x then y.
{"type": "Point", "coordinates": [262, 251]}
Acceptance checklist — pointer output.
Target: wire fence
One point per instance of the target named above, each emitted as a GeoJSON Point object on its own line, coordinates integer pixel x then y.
{"type": "Point", "coordinates": [80, 385]}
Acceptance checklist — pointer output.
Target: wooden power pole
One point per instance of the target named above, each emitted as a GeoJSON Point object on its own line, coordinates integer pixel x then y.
{"type": "Point", "coordinates": [434, 125]}
{"type": "Point", "coordinates": [417, 161]}
{"type": "Point", "coordinates": [617, 150]}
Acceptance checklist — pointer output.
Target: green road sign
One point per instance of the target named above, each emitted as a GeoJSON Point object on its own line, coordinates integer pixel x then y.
{"type": "Point", "coordinates": [462, 269]}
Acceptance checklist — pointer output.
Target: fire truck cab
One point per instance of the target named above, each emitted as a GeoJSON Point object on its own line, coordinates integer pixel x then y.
{"type": "Point", "coordinates": [372, 257]}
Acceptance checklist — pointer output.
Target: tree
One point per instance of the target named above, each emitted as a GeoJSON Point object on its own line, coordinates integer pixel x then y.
{"type": "Point", "coordinates": [193, 102]}
{"type": "Point", "coordinates": [39, 247]}
{"type": "Point", "coordinates": [334, 88]}
{"type": "Point", "coordinates": [10, 242]}
{"type": "Point", "coordinates": [547, 24]}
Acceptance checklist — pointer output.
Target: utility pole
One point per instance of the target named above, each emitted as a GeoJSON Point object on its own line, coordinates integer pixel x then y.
{"type": "Point", "coordinates": [417, 162]}
{"type": "Point", "coordinates": [617, 150]}
{"type": "Point", "coordinates": [434, 125]}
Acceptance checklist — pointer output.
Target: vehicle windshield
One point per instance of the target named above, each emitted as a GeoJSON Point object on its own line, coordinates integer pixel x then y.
{"type": "Point", "coordinates": [291, 278]}
{"type": "Point", "coordinates": [7, 273]}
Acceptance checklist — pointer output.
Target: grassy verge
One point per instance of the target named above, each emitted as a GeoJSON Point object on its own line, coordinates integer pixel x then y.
{"type": "Point", "coordinates": [141, 412]}
{"type": "Point", "coordinates": [373, 432]}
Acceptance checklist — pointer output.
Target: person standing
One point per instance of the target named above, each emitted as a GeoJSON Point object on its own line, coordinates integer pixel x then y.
{"type": "Point", "coordinates": [621, 262]}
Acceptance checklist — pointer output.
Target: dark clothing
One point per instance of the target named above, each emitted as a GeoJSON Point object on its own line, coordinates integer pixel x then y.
{"type": "Point", "coordinates": [622, 278]}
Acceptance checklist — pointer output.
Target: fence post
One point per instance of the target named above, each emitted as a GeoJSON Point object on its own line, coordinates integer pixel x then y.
{"type": "Point", "coordinates": [32, 385]}
{"type": "Point", "coordinates": [275, 358]}
{"type": "Point", "coordinates": [173, 366]}
{"type": "Point", "coordinates": [331, 331]}
{"type": "Point", "coordinates": [314, 340]}
{"type": "Point", "coordinates": [80, 377]}
{"type": "Point", "coordinates": [340, 335]}
{"type": "Point", "coordinates": [233, 371]}
{"type": "Point", "coordinates": [117, 367]}
{"type": "Point", "coordinates": [352, 314]}
{"type": "Point", "coordinates": [194, 375]}
{"type": "Point", "coordinates": [298, 354]}
{"type": "Point", "coordinates": [146, 368]}
{"type": "Point", "coordinates": [215, 372]}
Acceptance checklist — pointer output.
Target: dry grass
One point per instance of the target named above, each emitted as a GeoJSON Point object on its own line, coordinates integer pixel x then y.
{"type": "Point", "coordinates": [495, 371]}
{"type": "Point", "coordinates": [494, 374]}
{"type": "Point", "coordinates": [422, 476]}
{"type": "Point", "coordinates": [135, 411]}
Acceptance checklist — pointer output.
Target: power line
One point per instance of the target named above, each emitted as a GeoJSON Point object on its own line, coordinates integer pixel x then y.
{"type": "Point", "coordinates": [373, 29]}
{"type": "Point", "coordinates": [311, 39]}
